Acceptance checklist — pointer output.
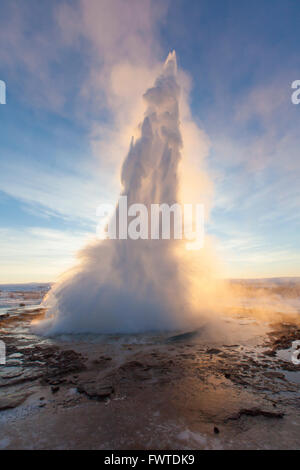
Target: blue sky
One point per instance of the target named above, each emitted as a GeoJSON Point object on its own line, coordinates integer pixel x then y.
{"type": "Point", "coordinates": [71, 100]}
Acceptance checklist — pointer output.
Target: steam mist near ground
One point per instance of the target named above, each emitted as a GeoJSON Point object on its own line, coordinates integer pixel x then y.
{"type": "Point", "coordinates": [127, 286]}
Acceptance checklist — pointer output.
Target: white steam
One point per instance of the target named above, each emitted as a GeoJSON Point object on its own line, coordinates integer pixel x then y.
{"type": "Point", "coordinates": [127, 286]}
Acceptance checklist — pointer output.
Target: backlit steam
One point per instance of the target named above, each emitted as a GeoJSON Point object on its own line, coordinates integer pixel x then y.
{"type": "Point", "coordinates": [130, 286]}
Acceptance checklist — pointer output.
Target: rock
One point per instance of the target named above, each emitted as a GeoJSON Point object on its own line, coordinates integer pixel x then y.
{"type": "Point", "coordinates": [216, 430]}
{"type": "Point", "coordinates": [15, 356]}
{"type": "Point", "coordinates": [186, 336]}
{"type": "Point", "coordinates": [11, 372]}
{"type": "Point", "coordinates": [56, 382]}
{"type": "Point", "coordinates": [274, 375]}
{"type": "Point", "coordinates": [106, 358]}
{"type": "Point", "coordinates": [62, 363]}
{"type": "Point", "coordinates": [12, 400]}
{"type": "Point", "coordinates": [96, 391]}
{"type": "Point", "coordinates": [4, 316]}
{"type": "Point", "coordinates": [289, 366]}
{"type": "Point", "coordinates": [132, 365]}
{"type": "Point", "coordinates": [255, 412]}
{"type": "Point", "coordinates": [213, 351]}
{"type": "Point", "coordinates": [13, 363]}
{"type": "Point", "coordinates": [270, 352]}
{"type": "Point", "coordinates": [102, 361]}
{"type": "Point", "coordinates": [136, 370]}
{"type": "Point", "coordinates": [55, 388]}
{"type": "Point", "coordinates": [27, 375]}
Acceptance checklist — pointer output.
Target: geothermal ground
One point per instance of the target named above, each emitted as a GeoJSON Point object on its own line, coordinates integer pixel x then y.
{"type": "Point", "coordinates": [177, 390]}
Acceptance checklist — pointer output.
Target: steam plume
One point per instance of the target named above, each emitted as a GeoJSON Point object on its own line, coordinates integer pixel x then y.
{"type": "Point", "coordinates": [123, 286]}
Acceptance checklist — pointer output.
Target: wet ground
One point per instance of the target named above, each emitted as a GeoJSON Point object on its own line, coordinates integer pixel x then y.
{"type": "Point", "coordinates": [183, 390]}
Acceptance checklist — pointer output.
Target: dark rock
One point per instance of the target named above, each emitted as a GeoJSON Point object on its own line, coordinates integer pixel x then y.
{"type": "Point", "coordinates": [186, 336]}
{"type": "Point", "coordinates": [4, 316]}
{"type": "Point", "coordinates": [289, 366]}
{"type": "Point", "coordinates": [216, 430]}
{"type": "Point", "coordinates": [274, 375]}
{"type": "Point", "coordinates": [96, 391]}
{"type": "Point", "coordinates": [213, 351]}
{"type": "Point", "coordinates": [255, 412]}
{"type": "Point", "coordinates": [106, 358]}
{"type": "Point", "coordinates": [102, 361]}
{"type": "Point", "coordinates": [270, 352]}
{"type": "Point", "coordinates": [55, 388]}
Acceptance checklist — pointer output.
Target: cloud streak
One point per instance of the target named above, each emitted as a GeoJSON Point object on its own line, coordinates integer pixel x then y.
{"type": "Point", "coordinates": [37, 254]}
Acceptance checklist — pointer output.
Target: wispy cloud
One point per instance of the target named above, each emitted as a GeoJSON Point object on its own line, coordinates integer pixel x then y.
{"type": "Point", "coordinates": [37, 254]}
{"type": "Point", "coordinates": [71, 195]}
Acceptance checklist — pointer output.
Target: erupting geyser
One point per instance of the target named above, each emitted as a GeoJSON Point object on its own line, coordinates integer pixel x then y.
{"type": "Point", "coordinates": [130, 286]}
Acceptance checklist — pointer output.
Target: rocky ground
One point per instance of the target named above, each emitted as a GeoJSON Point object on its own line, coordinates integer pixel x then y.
{"type": "Point", "coordinates": [184, 391]}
